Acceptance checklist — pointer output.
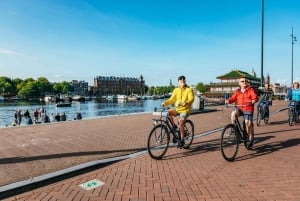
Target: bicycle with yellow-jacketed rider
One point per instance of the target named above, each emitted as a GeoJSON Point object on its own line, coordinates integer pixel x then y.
{"type": "Point", "coordinates": [160, 135]}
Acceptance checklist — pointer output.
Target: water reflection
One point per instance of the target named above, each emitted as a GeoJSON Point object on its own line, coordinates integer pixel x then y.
{"type": "Point", "coordinates": [89, 109]}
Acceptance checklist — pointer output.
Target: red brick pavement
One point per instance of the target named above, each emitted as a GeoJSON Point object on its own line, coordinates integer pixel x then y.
{"type": "Point", "coordinates": [270, 172]}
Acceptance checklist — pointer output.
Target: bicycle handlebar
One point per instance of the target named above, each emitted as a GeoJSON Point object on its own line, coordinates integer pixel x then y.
{"type": "Point", "coordinates": [236, 105]}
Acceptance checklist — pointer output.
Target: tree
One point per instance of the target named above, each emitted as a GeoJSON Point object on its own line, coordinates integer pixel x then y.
{"type": "Point", "coordinates": [201, 87]}
{"type": "Point", "coordinates": [65, 87]}
{"type": "Point", "coordinates": [30, 90]}
{"type": "Point", "coordinates": [44, 85]}
{"type": "Point", "coordinates": [6, 86]}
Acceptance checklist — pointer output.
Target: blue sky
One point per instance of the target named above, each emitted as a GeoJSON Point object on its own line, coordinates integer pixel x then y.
{"type": "Point", "coordinates": [81, 39]}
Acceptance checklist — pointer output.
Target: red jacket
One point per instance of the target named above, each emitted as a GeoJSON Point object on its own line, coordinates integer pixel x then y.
{"type": "Point", "coordinates": [244, 98]}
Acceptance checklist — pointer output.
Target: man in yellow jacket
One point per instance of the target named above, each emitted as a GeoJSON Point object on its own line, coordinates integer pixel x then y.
{"type": "Point", "coordinates": [183, 98]}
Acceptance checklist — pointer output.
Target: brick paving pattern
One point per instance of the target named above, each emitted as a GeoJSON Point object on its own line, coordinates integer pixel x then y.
{"type": "Point", "coordinates": [270, 172]}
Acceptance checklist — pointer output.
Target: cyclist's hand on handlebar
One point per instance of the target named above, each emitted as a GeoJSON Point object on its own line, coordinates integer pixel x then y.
{"type": "Point", "coordinates": [183, 104]}
{"type": "Point", "coordinates": [252, 102]}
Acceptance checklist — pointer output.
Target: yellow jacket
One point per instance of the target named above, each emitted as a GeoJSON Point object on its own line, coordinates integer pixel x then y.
{"type": "Point", "coordinates": [181, 96]}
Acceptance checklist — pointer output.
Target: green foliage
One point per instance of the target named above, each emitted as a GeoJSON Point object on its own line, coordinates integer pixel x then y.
{"type": "Point", "coordinates": [160, 90]}
{"type": "Point", "coordinates": [31, 88]}
{"type": "Point", "coordinates": [201, 87]}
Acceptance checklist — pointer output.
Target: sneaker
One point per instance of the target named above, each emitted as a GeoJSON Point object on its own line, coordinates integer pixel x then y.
{"type": "Point", "coordinates": [250, 144]}
{"type": "Point", "coordinates": [180, 143]}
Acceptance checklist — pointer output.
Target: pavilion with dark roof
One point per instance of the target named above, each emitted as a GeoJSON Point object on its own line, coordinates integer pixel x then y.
{"type": "Point", "coordinates": [229, 83]}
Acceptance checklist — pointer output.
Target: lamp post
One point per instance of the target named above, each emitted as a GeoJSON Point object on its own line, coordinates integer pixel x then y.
{"type": "Point", "coordinates": [294, 39]}
{"type": "Point", "coordinates": [262, 45]}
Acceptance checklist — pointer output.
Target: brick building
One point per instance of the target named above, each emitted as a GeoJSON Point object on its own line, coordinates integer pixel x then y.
{"type": "Point", "coordinates": [112, 85]}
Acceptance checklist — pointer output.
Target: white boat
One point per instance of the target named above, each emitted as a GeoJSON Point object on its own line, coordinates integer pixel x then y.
{"type": "Point", "coordinates": [63, 104]}
{"type": "Point", "coordinates": [49, 98]}
{"type": "Point", "coordinates": [122, 97]}
{"type": "Point", "coordinates": [110, 97]}
{"type": "Point", "coordinates": [132, 98]}
{"type": "Point", "coordinates": [78, 98]}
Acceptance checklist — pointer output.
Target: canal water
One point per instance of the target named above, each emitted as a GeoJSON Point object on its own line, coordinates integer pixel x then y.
{"type": "Point", "coordinates": [88, 109]}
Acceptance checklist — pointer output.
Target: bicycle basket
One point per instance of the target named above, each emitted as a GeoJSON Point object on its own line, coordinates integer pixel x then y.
{"type": "Point", "coordinates": [163, 114]}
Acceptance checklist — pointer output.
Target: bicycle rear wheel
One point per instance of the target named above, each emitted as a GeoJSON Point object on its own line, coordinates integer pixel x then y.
{"type": "Point", "coordinates": [158, 141]}
{"type": "Point", "coordinates": [189, 133]}
{"type": "Point", "coordinates": [229, 142]}
{"type": "Point", "coordinates": [259, 117]}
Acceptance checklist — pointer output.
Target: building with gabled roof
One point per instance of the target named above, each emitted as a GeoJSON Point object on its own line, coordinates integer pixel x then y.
{"type": "Point", "coordinates": [229, 83]}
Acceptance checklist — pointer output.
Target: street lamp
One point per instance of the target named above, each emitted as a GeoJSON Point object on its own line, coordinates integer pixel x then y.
{"type": "Point", "coordinates": [293, 42]}
{"type": "Point", "coordinates": [262, 45]}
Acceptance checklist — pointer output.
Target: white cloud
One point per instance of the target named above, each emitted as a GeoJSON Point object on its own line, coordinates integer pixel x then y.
{"type": "Point", "coordinates": [6, 51]}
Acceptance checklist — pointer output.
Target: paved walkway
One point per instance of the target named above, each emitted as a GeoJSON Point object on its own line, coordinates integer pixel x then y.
{"type": "Point", "coordinates": [270, 172]}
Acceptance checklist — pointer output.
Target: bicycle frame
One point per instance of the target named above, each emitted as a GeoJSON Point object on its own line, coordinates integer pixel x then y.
{"type": "Point", "coordinates": [165, 120]}
{"type": "Point", "coordinates": [241, 129]}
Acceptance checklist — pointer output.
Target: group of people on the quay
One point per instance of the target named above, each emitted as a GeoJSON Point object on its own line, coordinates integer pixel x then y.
{"type": "Point", "coordinates": [40, 116]}
{"type": "Point", "coordinates": [244, 97]}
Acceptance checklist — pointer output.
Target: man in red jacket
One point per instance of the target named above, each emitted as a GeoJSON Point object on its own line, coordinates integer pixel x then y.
{"type": "Point", "coordinates": [245, 97]}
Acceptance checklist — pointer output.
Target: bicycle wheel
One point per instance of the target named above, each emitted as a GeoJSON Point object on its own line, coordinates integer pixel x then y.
{"type": "Point", "coordinates": [259, 117]}
{"type": "Point", "coordinates": [266, 120]}
{"type": "Point", "coordinates": [266, 116]}
{"type": "Point", "coordinates": [291, 116]}
{"type": "Point", "coordinates": [189, 133]}
{"type": "Point", "coordinates": [229, 142]}
{"type": "Point", "coordinates": [158, 141]}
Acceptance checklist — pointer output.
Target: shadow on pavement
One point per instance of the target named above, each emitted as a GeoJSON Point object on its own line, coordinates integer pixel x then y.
{"type": "Point", "coordinates": [65, 155]}
{"type": "Point", "coordinates": [268, 148]}
{"type": "Point", "coordinates": [196, 148]}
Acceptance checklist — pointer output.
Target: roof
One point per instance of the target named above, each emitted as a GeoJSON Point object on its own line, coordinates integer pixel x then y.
{"type": "Point", "coordinates": [237, 74]}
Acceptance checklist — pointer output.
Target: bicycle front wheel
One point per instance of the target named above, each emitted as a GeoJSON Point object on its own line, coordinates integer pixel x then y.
{"type": "Point", "coordinates": [291, 117]}
{"type": "Point", "coordinates": [158, 141]}
{"type": "Point", "coordinates": [229, 142]}
{"type": "Point", "coordinates": [189, 133]}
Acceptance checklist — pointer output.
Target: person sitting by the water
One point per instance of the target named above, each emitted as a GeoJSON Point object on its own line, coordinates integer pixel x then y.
{"type": "Point", "coordinates": [57, 117]}
{"type": "Point", "coordinates": [28, 120]}
{"type": "Point", "coordinates": [15, 122]}
{"type": "Point", "coordinates": [63, 117]}
{"type": "Point", "coordinates": [78, 116]}
{"type": "Point", "coordinates": [52, 117]}
{"type": "Point", "coordinates": [46, 119]}
{"type": "Point", "coordinates": [26, 114]}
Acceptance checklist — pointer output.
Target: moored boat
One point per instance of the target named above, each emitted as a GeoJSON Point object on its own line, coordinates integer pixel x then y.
{"type": "Point", "coordinates": [63, 104]}
{"type": "Point", "coordinates": [78, 98]}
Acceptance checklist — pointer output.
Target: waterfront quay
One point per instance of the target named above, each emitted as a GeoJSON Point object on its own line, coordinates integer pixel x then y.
{"type": "Point", "coordinates": [269, 172]}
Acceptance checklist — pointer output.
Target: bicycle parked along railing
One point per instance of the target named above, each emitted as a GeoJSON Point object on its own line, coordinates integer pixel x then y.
{"type": "Point", "coordinates": [232, 135]}
{"type": "Point", "coordinates": [160, 135]}
{"type": "Point", "coordinates": [293, 113]}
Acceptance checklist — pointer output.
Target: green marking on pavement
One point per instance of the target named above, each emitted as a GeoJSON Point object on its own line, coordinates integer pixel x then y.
{"type": "Point", "coordinates": [91, 184]}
